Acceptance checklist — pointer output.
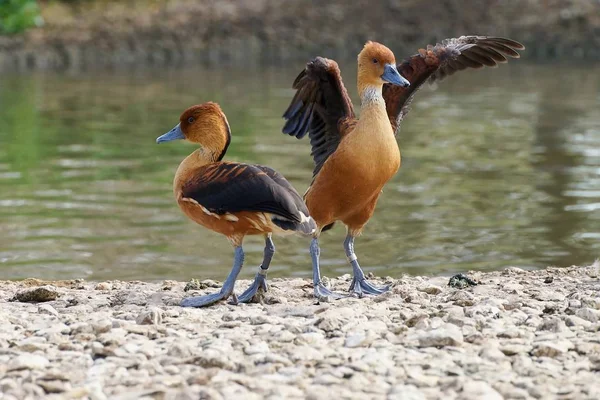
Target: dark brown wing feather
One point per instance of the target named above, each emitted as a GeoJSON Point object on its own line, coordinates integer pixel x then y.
{"type": "Point", "coordinates": [228, 187]}
{"type": "Point", "coordinates": [321, 107]}
{"type": "Point", "coordinates": [442, 60]}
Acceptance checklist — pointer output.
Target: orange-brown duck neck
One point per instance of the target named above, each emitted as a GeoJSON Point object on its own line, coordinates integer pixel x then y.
{"type": "Point", "coordinates": [206, 125]}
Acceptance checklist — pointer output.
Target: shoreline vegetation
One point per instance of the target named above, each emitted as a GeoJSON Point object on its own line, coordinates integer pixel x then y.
{"type": "Point", "coordinates": [516, 334]}
{"type": "Point", "coordinates": [81, 35]}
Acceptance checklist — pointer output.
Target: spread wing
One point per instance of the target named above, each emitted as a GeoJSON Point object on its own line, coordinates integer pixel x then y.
{"type": "Point", "coordinates": [321, 107]}
{"type": "Point", "coordinates": [442, 60]}
{"type": "Point", "coordinates": [233, 187]}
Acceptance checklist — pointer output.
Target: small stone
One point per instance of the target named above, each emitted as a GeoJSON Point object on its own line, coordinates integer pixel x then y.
{"type": "Point", "coordinates": [415, 319]}
{"type": "Point", "coordinates": [28, 361]}
{"type": "Point", "coordinates": [511, 392]}
{"type": "Point", "coordinates": [152, 316]}
{"type": "Point", "coordinates": [356, 340]}
{"type": "Point", "coordinates": [195, 284]}
{"type": "Point", "coordinates": [573, 320]}
{"type": "Point", "coordinates": [172, 370]}
{"type": "Point", "coordinates": [547, 294]}
{"type": "Point", "coordinates": [588, 314]}
{"type": "Point", "coordinates": [98, 349]}
{"type": "Point", "coordinates": [47, 309]}
{"type": "Point", "coordinates": [103, 286]}
{"type": "Point", "coordinates": [423, 324]}
{"type": "Point", "coordinates": [54, 386]}
{"type": "Point", "coordinates": [513, 305]}
{"type": "Point", "coordinates": [81, 327]}
{"type": "Point", "coordinates": [430, 289]}
{"type": "Point", "coordinates": [445, 335]}
{"type": "Point", "coordinates": [326, 379]}
{"type": "Point", "coordinates": [511, 333]}
{"type": "Point", "coordinates": [513, 271]}
{"type": "Point", "coordinates": [552, 349]}
{"type": "Point", "coordinates": [179, 350]}
{"type": "Point", "coordinates": [493, 354]}
{"type": "Point", "coordinates": [553, 325]}
{"type": "Point", "coordinates": [549, 279]}
{"type": "Point", "coordinates": [511, 349]}
{"type": "Point", "coordinates": [462, 299]}
{"type": "Point", "coordinates": [329, 323]}
{"type": "Point", "coordinates": [259, 348]}
{"type": "Point", "coordinates": [33, 343]}
{"type": "Point", "coordinates": [36, 295]}
{"type": "Point", "coordinates": [33, 390]}
{"type": "Point", "coordinates": [485, 310]}
{"type": "Point", "coordinates": [574, 303]}
{"type": "Point", "coordinates": [473, 390]}
{"type": "Point", "coordinates": [406, 392]}
{"type": "Point", "coordinates": [102, 326]}
{"type": "Point", "coordinates": [474, 337]}
{"type": "Point", "coordinates": [587, 348]}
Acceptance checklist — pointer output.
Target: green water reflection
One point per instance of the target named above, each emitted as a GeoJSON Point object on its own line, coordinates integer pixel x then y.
{"type": "Point", "coordinates": [500, 168]}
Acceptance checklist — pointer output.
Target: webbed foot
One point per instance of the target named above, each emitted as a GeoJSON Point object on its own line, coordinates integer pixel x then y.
{"type": "Point", "coordinates": [360, 287]}
{"type": "Point", "coordinates": [203, 301]}
{"type": "Point", "coordinates": [324, 294]}
{"type": "Point", "coordinates": [258, 286]}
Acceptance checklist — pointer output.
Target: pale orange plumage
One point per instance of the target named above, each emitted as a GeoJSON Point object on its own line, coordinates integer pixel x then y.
{"type": "Point", "coordinates": [355, 158]}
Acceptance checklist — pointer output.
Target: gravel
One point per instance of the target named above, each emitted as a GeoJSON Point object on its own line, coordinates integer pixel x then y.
{"type": "Point", "coordinates": [516, 334]}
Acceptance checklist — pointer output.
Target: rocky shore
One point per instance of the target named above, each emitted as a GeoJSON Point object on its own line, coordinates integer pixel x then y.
{"type": "Point", "coordinates": [99, 34]}
{"type": "Point", "coordinates": [516, 335]}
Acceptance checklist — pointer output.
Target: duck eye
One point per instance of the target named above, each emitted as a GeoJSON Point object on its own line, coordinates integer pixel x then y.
{"type": "Point", "coordinates": [191, 120]}
{"type": "Point", "coordinates": [375, 61]}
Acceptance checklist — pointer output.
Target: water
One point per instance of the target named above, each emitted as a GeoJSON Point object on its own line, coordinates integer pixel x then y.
{"type": "Point", "coordinates": [500, 168]}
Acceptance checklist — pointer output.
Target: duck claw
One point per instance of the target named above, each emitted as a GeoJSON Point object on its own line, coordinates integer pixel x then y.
{"type": "Point", "coordinates": [203, 301]}
{"type": "Point", "coordinates": [258, 286]}
{"type": "Point", "coordinates": [324, 294]}
{"type": "Point", "coordinates": [361, 287]}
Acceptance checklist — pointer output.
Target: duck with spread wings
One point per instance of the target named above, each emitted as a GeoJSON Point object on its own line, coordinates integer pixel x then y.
{"type": "Point", "coordinates": [355, 158]}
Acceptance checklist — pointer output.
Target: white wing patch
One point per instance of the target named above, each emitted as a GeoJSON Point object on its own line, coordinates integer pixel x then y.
{"type": "Point", "coordinates": [204, 209]}
{"type": "Point", "coordinates": [305, 218]}
{"type": "Point", "coordinates": [231, 217]}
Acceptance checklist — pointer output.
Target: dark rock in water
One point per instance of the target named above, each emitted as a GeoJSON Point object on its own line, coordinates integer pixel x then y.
{"type": "Point", "coordinates": [461, 281]}
{"type": "Point", "coordinates": [38, 294]}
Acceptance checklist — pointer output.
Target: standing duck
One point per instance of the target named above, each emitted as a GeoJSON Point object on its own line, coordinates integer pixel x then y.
{"type": "Point", "coordinates": [354, 158]}
{"type": "Point", "coordinates": [231, 198]}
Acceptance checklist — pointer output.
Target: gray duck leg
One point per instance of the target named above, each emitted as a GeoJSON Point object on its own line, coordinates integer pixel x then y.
{"type": "Point", "coordinates": [321, 292]}
{"type": "Point", "coordinates": [359, 284]}
{"type": "Point", "coordinates": [260, 281]}
{"type": "Point", "coordinates": [226, 290]}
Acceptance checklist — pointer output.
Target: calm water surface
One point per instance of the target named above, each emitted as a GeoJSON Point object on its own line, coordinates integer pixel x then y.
{"type": "Point", "coordinates": [500, 167]}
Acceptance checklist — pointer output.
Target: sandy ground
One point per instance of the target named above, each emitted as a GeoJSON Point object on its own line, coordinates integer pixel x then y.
{"type": "Point", "coordinates": [517, 334]}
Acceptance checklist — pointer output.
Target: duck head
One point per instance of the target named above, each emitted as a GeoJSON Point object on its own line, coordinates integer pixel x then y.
{"type": "Point", "coordinates": [377, 65]}
{"type": "Point", "coordinates": [204, 124]}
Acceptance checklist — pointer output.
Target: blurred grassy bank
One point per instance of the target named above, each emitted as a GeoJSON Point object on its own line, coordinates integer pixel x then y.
{"type": "Point", "coordinates": [92, 33]}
